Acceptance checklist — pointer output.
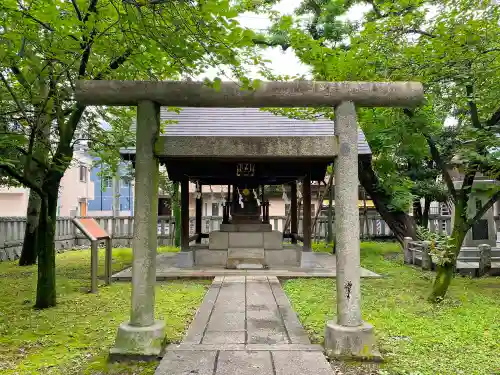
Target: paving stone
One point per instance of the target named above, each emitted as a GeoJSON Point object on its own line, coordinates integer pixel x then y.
{"type": "Point", "coordinates": [244, 363]}
{"type": "Point", "coordinates": [183, 363]}
{"type": "Point", "coordinates": [268, 336]}
{"type": "Point", "coordinates": [226, 321]}
{"type": "Point", "coordinates": [300, 363]}
{"type": "Point", "coordinates": [197, 327]}
{"type": "Point", "coordinates": [224, 337]}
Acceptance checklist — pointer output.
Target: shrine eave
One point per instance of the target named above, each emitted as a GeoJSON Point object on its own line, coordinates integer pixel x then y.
{"type": "Point", "coordinates": [244, 147]}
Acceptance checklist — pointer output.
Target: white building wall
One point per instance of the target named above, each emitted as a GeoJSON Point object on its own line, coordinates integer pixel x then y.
{"type": "Point", "coordinates": [13, 201]}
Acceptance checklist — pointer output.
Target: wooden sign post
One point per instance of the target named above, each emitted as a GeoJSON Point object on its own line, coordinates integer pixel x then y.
{"type": "Point", "coordinates": [91, 229]}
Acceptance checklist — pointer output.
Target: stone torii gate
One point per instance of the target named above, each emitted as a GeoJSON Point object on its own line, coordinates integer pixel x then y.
{"type": "Point", "coordinates": [348, 334]}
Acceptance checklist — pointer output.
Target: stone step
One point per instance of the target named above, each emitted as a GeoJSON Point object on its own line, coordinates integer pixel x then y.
{"type": "Point", "coordinates": [258, 227]}
{"type": "Point", "coordinates": [245, 256]}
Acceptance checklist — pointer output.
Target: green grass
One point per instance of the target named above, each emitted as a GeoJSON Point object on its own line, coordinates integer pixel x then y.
{"type": "Point", "coordinates": [75, 336]}
{"type": "Point", "coordinates": [459, 336]}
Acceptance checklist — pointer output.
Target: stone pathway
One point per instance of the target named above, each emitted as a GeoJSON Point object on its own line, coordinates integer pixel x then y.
{"type": "Point", "coordinates": [245, 326]}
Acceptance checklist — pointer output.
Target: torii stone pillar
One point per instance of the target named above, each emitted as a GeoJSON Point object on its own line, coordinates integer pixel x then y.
{"type": "Point", "coordinates": [348, 335]}
{"type": "Point", "coordinates": [142, 335]}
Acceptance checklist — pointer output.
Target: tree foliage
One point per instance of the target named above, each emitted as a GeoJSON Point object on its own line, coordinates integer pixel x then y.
{"type": "Point", "coordinates": [452, 47]}
{"type": "Point", "coordinates": [49, 45]}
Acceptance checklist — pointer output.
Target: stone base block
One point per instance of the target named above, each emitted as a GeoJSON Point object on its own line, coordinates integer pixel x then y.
{"type": "Point", "coordinates": [260, 227]}
{"type": "Point", "coordinates": [246, 240]}
{"type": "Point", "coordinates": [138, 342]}
{"type": "Point", "coordinates": [307, 259]}
{"type": "Point", "coordinates": [211, 258]}
{"type": "Point", "coordinates": [351, 342]}
{"type": "Point", "coordinates": [284, 257]}
{"type": "Point", "coordinates": [273, 240]}
{"type": "Point", "coordinates": [185, 259]}
{"type": "Point", "coordinates": [218, 240]}
{"type": "Point", "coordinates": [244, 256]}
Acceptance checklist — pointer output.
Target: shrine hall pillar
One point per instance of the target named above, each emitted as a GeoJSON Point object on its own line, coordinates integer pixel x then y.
{"type": "Point", "coordinates": [199, 205]}
{"type": "Point", "coordinates": [293, 212]}
{"type": "Point", "coordinates": [143, 335]}
{"type": "Point", "coordinates": [306, 216]}
{"type": "Point", "coordinates": [185, 215]}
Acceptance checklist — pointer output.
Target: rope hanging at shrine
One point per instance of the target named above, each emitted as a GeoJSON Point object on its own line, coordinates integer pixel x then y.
{"type": "Point", "coordinates": [198, 190]}
{"type": "Point", "coordinates": [256, 197]}
{"type": "Point", "coordinates": [212, 195]}
{"type": "Point", "coordinates": [240, 198]}
{"type": "Point", "coordinates": [285, 196]}
{"type": "Point", "coordinates": [222, 200]}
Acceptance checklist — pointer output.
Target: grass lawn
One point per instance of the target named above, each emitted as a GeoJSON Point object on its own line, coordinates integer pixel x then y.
{"type": "Point", "coordinates": [75, 336]}
{"type": "Point", "coordinates": [459, 336]}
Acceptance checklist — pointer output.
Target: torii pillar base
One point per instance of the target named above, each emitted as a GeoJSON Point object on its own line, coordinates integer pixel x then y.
{"type": "Point", "coordinates": [343, 342]}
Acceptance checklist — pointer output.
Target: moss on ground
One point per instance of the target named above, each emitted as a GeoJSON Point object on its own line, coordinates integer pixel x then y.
{"type": "Point", "coordinates": [75, 336]}
{"type": "Point", "coordinates": [459, 336]}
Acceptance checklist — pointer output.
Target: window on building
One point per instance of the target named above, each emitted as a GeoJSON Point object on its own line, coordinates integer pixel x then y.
{"type": "Point", "coordinates": [125, 182]}
{"type": "Point", "coordinates": [107, 182]}
{"type": "Point", "coordinates": [215, 209]}
{"type": "Point", "coordinates": [479, 204]}
{"type": "Point", "coordinates": [83, 173]}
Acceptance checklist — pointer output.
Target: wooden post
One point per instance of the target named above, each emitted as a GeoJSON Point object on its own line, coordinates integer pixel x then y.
{"type": "Point", "coordinates": [108, 268]}
{"type": "Point", "coordinates": [293, 212]}
{"type": "Point", "coordinates": [94, 262]}
{"type": "Point", "coordinates": [306, 217]}
{"type": "Point", "coordinates": [185, 215]}
{"type": "Point", "coordinates": [199, 205]}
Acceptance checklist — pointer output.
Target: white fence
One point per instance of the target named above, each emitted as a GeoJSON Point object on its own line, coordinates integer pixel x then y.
{"type": "Point", "coordinates": [121, 230]}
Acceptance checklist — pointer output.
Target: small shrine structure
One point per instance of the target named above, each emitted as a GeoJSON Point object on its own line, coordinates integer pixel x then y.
{"type": "Point", "coordinates": [245, 149]}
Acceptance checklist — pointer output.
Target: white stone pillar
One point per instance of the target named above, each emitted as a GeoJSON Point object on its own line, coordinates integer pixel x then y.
{"type": "Point", "coordinates": [142, 335]}
{"type": "Point", "coordinates": [348, 335]}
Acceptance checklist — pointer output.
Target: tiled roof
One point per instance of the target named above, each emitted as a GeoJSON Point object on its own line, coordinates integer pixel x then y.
{"type": "Point", "coordinates": [251, 122]}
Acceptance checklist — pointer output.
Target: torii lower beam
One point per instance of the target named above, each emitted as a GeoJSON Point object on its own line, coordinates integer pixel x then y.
{"type": "Point", "coordinates": [348, 335]}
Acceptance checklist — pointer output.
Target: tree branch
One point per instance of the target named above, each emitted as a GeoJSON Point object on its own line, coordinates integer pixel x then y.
{"type": "Point", "coordinates": [436, 156]}
{"type": "Point", "coordinates": [472, 107]}
{"type": "Point", "coordinates": [22, 179]}
{"type": "Point", "coordinates": [14, 97]}
{"type": "Point", "coordinates": [77, 10]}
{"type": "Point", "coordinates": [494, 119]}
{"type": "Point", "coordinates": [284, 46]}
{"type": "Point", "coordinates": [486, 207]}
{"type": "Point", "coordinates": [114, 64]}
{"type": "Point", "coordinates": [414, 31]}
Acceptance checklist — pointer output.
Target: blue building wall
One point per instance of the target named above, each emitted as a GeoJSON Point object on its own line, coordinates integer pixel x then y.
{"type": "Point", "coordinates": [103, 195]}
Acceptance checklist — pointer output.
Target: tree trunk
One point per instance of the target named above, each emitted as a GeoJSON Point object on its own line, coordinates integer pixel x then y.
{"type": "Point", "coordinates": [417, 211]}
{"type": "Point", "coordinates": [425, 214]}
{"type": "Point", "coordinates": [177, 214]}
{"type": "Point", "coordinates": [445, 271]}
{"type": "Point", "coordinates": [401, 224]}
{"type": "Point", "coordinates": [46, 285]}
{"type": "Point", "coordinates": [29, 252]}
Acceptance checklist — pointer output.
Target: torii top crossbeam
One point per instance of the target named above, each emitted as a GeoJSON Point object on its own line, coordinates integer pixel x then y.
{"type": "Point", "coordinates": [268, 94]}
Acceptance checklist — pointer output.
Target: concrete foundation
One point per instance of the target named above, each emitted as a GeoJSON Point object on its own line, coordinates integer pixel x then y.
{"type": "Point", "coordinates": [247, 244]}
{"type": "Point", "coordinates": [136, 341]}
{"type": "Point", "coordinates": [185, 259]}
{"type": "Point", "coordinates": [348, 342]}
